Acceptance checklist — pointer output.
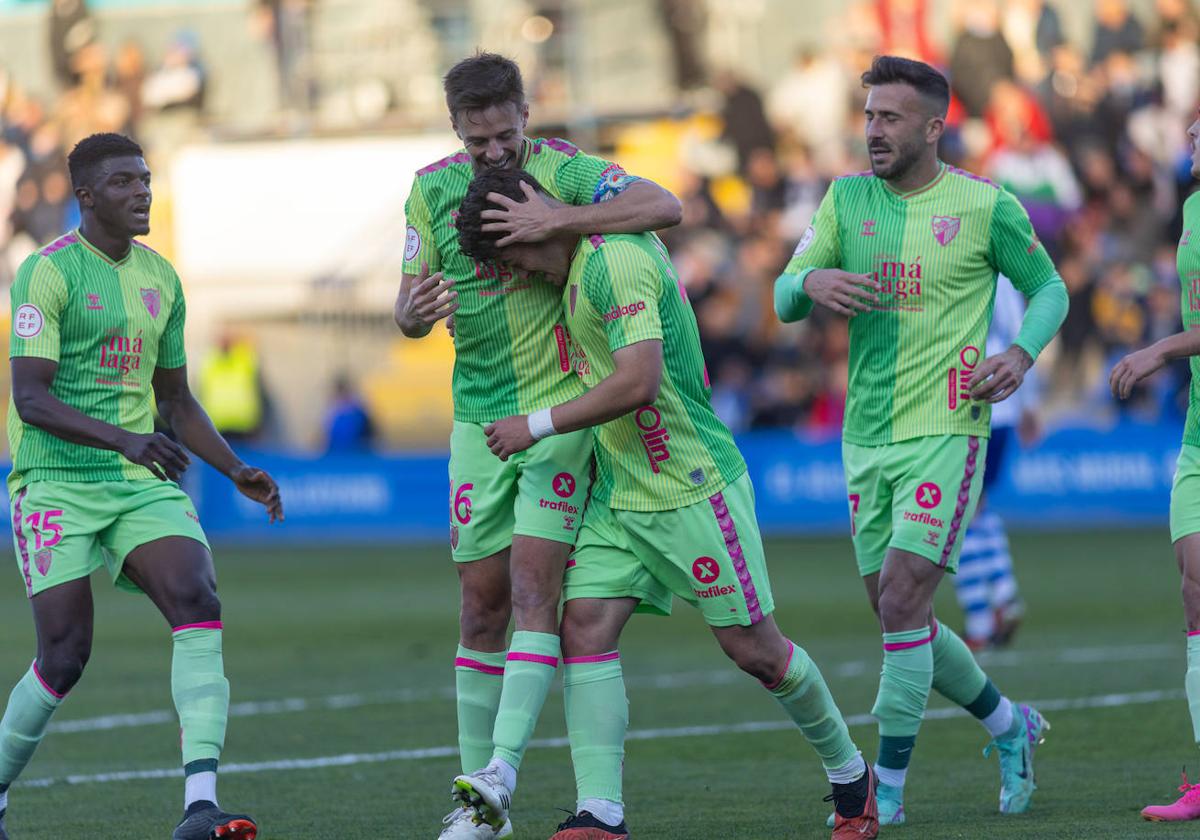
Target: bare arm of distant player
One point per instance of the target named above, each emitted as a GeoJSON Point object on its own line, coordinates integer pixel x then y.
{"type": "Point", "coordinates": [424, 299]}
{"type": "Point", "coordinates": [1140, 364]}
{"type": "Point", "coordinates": [188, 419]}
{"type": "Point", "coordinates": [37, 406]}
{"type": "Point", "coordinates": [632, 384]}
{"type": "Point", "coordinates": [643, 205]}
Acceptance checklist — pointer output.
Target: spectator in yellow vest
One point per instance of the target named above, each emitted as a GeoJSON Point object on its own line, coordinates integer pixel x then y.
{"type": "Point", "coordinates": [231, 389]}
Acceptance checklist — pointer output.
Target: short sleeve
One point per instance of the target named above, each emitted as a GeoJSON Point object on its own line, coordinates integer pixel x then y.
{"type": "Point", "coordinates": [39, 296]}
{"type": "Point", "coordinates": [587, 179]}
{"type": "Point", "coordinates": [419, 244]}
{"type": "Point", "coordinates": [623, 284]}
{"type": "Point", "coordinates": [821, 245]}
{"type": "Point", "coordinates": [1014, 249]}
{"type": "Point", "coordinates": [171, 350]}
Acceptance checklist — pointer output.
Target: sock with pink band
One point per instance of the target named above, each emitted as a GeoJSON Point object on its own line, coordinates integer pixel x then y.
{"type": "Point", "coordinates": [1191, 681]}
{"type": "Point", "coordinates": [201, 695]}
{"type": "Point", "coordinates": [597, 719]}
{"type": "Point", "coordinates": [528, 672]}
{"type": "Point", "coordinates": [802, 692]}
{"type": "Point", "coordinates": [30, 706]}
{"type": "Point", "coordinates": [904, 685]}
{"type": "Point", "coordinates": [478, 678]}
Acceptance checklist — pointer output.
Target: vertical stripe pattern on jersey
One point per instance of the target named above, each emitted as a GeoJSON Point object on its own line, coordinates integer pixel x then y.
{"type": "Point", "coordinates": [1187, 262]}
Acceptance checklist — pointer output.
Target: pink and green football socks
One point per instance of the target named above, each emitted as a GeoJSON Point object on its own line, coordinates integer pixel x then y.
{"type": "Point", "coordinates": [900, 704]}
{"type": "Point", "coordinates": [201, 695]}
{"type": "Point", "coordinates": [478, 679]}
{"type": "Point", "coordinates": [528, 672]}
{"type": "Point", "coordinates": [597, 719]}
{"type": "Point", "coordinates": [30, 707]}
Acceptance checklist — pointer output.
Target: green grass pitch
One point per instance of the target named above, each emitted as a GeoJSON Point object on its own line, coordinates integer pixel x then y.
{"type": "Point", "coordinates": [339, 660]}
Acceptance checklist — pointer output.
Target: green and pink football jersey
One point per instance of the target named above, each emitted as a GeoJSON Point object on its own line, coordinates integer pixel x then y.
{"type": "Point", "coordinates": [1187, 262]}
{"type": "Point", "coordinates": [936, 251]}
{"type": "Point", "coordinates": [622, 289]}
{"type": "Point", "coordinates": [108, 325]}
{"type": "Point", "coordinates": [511, 350]}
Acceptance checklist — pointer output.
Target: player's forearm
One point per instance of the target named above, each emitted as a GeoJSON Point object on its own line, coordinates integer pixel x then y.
{"type": "Point", "coordinates": [50, 414]}
{"type": "Point", "coordinates": [643, 206]}
{"type": "Point", "coordinates": [613, 397]}
{"type": "Point", "coordinates": [1181, 345]}
{"type": "Point", "coordinates": [1045, 314]}
{"type": "Point", "coordinates": [193, 428]}
{"type": "Point", "coordinates": [791, 302]}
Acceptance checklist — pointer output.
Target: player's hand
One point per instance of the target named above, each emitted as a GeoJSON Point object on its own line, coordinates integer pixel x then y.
{"type": "Point", "coordinates": [256, 484]}
{"type": "Point", "coordinates": [998, 377]}
{"type": "Point", "coordinates": [843, 292]}
{"type": "Point", "coordinates": [431, 298]}
{"type": "Point", "coordinates": [509, 436]}
{"type": "Point", "coordinates": [531, 220]}
{"type": "Point", "coordinates": [157, 453]}
{"type": "Point", "coordinates": [1133, 369]}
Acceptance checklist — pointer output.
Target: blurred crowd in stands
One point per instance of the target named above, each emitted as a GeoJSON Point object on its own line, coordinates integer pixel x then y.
{"type": "Point", "coordinates": [1091, 139]}
{"type": "Point", "coordinates": [1090, 136]}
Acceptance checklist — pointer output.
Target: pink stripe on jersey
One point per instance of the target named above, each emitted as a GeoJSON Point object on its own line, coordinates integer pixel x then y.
{"type": "Point", "coordinates": [907, 645]}
{"type": "Point", "coordinates": [788, 664]}
{"type": "Point", "coordinates": [954, 170]}
{"type": "Point", "coordinates": [476, 665]}
{"type": "Point", "coordinates": [568, 149]}
{"type": "Point", "coordinates": [460, 157]}
{"type": "Point", "coordinates": [200, 625]}
{"type": "Point", "coordinates": [519, 656]}
{"type": "Point", "coordinates": [596, 239]}
{"type": "Point", "coordinates": [59, 244]}
{"type": "Point", "coordinates": [22, 543]}
{"type": "Point", "coordinates": [866, 173]}
{"type": "Point", "coordinates": [45, 684]}
{"type": "Point", "coordinates": [611, 656]}
{"type": "Point", "coordinates": [964, 496]}
{"type": "Point", "coordinates": [734, 546]}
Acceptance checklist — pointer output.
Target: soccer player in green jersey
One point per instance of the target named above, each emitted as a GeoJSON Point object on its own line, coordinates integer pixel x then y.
{"type": "Point", "coordinates": [910, 251]}
{"type": "Point", "coordinates": [97, 338]}
{"type": "Point", "coordinates": [671, 511]}
{"type": "Point", "coordinates": [511, 524]}
{"type": "Point", "coordinates": [1185, 493]}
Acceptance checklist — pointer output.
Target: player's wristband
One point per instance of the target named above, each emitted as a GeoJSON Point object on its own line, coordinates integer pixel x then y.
{"type": "Point", "coordinates": [541, 425]}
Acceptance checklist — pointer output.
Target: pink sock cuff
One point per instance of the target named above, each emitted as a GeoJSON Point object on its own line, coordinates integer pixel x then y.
{"type": "Point", "coordinates": [893, 646]}
{"type": "Point", "coordinates": [611, 656]}
{"type": "Point", "coordinates": [476, 665]}
{"type": "Point", "coordinates": [200, 625]}
{"type": "Point", "coordinates": [45, 684]}
{"type": "Point", "coordinates": [783, 674]}
{"type": "Point", "coordinates": [519, 656]}
{"type": "Point", "coordinates": [1193, 633]}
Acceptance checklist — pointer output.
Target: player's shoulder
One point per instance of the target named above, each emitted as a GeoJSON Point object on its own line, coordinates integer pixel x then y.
{"type": "Point", "coordinates": [1192, 202]}
{"type": "Point", "coordinates": [449, 164]}
{"type": "Point", "coordinates": [975, 182]}
{"type": "Point", "coordinates": [624, 246]}
{"type": "Point", "coordinates": [49, 258]}
{"type": "Point", "coordinates": [552, 148]}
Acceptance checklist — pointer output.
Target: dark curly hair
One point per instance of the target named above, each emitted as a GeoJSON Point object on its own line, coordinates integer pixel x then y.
{"type": "Point", "coordinates": [473, 241]}
{"type": "Point", "coordinates": [926, 80]}
{"type": "Point", "coordinates": [90, 152]}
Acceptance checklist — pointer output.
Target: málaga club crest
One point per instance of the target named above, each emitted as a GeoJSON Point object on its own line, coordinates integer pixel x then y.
{"type": "Point", "coordinates": [945, 228]}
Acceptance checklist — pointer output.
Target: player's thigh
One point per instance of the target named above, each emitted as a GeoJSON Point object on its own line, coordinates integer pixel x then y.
{"type": "Point", "coordinates": [709, 553]}
{"type": "Point", "coordinates": [55, 531]}
{"type": "Point", "coordinates": [1185, 494]}
{"type": "Point", "coordinates": [937, 485]}
{"type": "Point", "coordinates": [604, 565]}
{"type": "Point", "coordinates": [151, 515]}
{"type": "Point", "coordinates": [482, 491]}
{"type": "Point", "coordinates": [554, 477]}
{"type": "Point", "coordinates": [869, 495]}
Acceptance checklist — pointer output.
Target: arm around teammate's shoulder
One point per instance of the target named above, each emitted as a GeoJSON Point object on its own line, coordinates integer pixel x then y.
{"type": "Point", "coordinates": [641, 206]}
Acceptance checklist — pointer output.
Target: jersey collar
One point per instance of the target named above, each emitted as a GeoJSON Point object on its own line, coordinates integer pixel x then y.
{"type": "Point", "coordinates": [905, 196]}
{"type": "Point", "coordinates": [101, 254]}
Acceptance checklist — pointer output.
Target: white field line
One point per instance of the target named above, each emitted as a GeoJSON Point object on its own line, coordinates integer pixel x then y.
{"type": "Point", "coordinates": [682, 679]}
{"type": "Point", "coordinates": [1099, 701]}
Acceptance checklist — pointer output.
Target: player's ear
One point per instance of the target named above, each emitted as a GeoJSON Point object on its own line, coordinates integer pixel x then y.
{"type": "Point", "coordinates": [934, 129]}
{"type": "Point", "coordinates": [84, 196]}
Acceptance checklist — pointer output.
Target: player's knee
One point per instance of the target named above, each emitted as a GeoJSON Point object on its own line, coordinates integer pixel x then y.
{"type": "Point", "coordinates": [537, 602]}
{"type": "Point", "coordinates": [897, 605]}
{"type": "Point", "coordinates": [191, 604]}
{"type": "Point", "coordinates": [61, 664]}
{"type": "Point", "coordinates": [1190, 589]}
{"type": "Point", "coordinates": [483, 622]}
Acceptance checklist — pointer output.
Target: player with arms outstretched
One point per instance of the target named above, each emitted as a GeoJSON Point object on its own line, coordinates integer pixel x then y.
{"type": "Point", "coordinates": [97, 338]}
{"type": "Point", "coordinates": [511, 524]}
{"type": "Point", "coordinates": [1185, 493]}
{"type": "Point", "coordinates": [672, 510]}
{"type": "Point", "coordinates": [911, 250]}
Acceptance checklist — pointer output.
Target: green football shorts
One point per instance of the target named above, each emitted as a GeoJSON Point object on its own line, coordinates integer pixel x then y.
{"type": "Point", "coordinates": [710, 554]}
{"type": "Point", "coordinates": [917, 495]}
{"type": "Point", "coordinates": [66, 530]}
{"type": "Point", "coordinates": [536, 493]}
{"type": "Point", "coordinates": [1185, 493]}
